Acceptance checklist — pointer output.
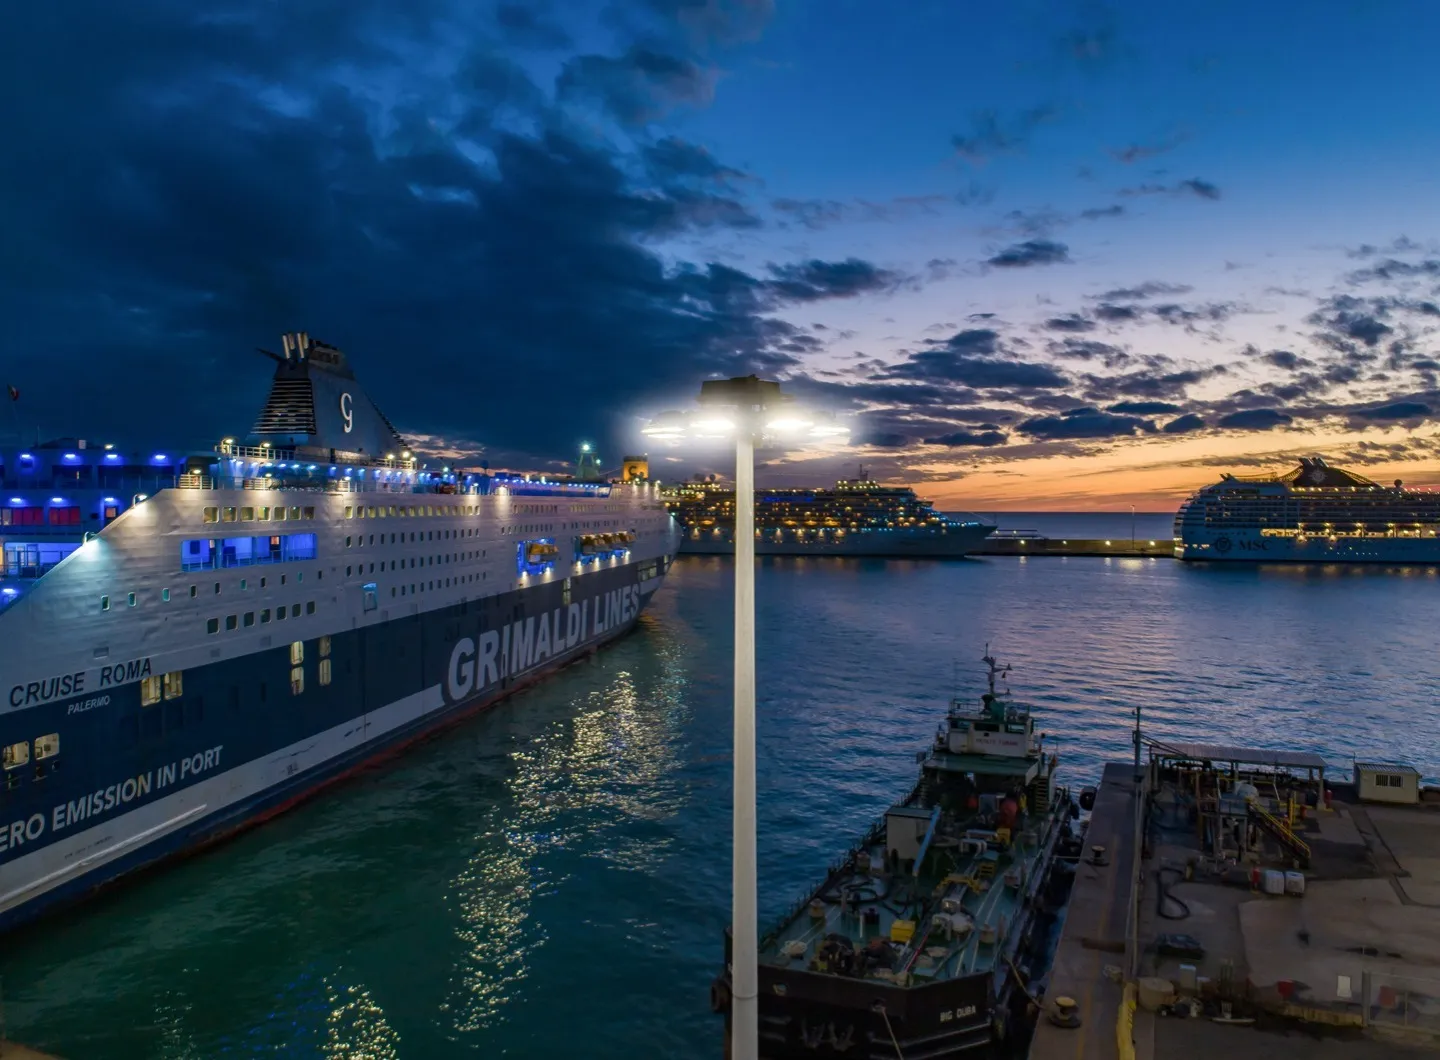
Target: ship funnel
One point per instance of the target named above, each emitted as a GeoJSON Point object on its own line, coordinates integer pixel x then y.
{"type": "Point", "coordinates": [316, 402]}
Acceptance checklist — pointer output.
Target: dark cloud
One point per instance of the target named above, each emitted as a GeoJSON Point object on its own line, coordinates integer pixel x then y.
{"type": "Point", "coordinates": [1073, 322]}
{"type": "Point", "coordinates": [990, 134]}
{"type": "Point", "coordinates": [1031, 252]}
{"type": "Point", "coordinates": [821, 213]}
{"type": "Point", "coordinates": [969, 438]}
{"type": "Point", "coordinates": [1085, 422]}
{"type": "Point", "coordinates": [1143, 408]}
{"type": "Point", "coordinates": [1184, 424]}
{"type": "Point", "coordinates": [1139, 151]}
{"type": "Point", "coordinates": [454, 229]}
{"type": "Point", "coordinates": [640, 86]}
{"type": "Point", "coordinates": [1147, 383]}
{"type": "Point", "coordinates": [968, 358]}
{"type": "Point", "coordinates": [1096, 213]}
{"type": "Point", "coordinates": [1401, 410]}
{"type": "Point", "coordinates": [1400, 245]}
{"type": "Point", "coordinates": [1088, 350]}
{"type": "Point", "coordinates": [1113, 313]}
{"type": "Point", "coordinates": [1201, 189]}
{"type": "Point", "coordinates": [1142, 291]}
{"type": "Point", "coordinates": [1255, 419]}
{"type": "Point", "coordinates": [524, 26]}
{"type": "Point", "coordinates": [1285, 359]}
{"type": "Point", "coordinates": [675, 159]}
{"type": "Point", "coordinates": [813, 281]}
{"type": "Point", "coordinates": [1391, 270]}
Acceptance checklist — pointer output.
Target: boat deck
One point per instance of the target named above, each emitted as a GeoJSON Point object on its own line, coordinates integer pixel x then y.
{"type": "Point", "coordinates": [956, 919]}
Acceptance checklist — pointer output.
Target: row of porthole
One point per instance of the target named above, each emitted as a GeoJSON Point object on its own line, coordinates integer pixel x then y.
{"type": "Point", "coordinates": [131, 599]}
{"type": "Point", "coordinates": [245, 621]}
{"type": "Point", "coordinates": [278, 514]}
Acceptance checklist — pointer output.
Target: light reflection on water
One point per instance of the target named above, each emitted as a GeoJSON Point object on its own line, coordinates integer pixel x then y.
{"type": "Point", "coordinates": [555, 873]}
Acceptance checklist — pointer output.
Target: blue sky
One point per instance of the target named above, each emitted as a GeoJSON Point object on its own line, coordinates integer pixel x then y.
{"type": "Point", "coordinates": [1043, 254]}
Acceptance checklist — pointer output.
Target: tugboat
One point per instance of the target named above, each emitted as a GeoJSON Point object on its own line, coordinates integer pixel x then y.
{"type": "Point", "coordinates": [930, 937]}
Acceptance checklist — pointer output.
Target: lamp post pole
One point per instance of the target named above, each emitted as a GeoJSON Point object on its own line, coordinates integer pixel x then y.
{"type": "Point", "coordinates": [744, 929]}
{"type": "Point", "coordinates": [753, 409]}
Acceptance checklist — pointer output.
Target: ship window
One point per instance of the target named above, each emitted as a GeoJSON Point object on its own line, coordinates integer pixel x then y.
{"type": "Point", "coordinates": [324, 647]}
{"type": "Point", "coordinates": [300, 576]}
{"type": "Point", "coordinates": [309, 607]}
{"type": "Point", "coordinates": [277, 515]}
{"type": "Point", "coordinates": [282, 579]}
{"type": "Point", "coordinates": [294, 610]}
{"type": "Point", "coordinates": [47, 746]}
{"type": "Point", "coordinates": [347, 572]}
{"type": "Point", "coordinates": [212, 515]}
{"type": "Point", "coordinates": [280, 614]}
{"type": "Point", "coordinates": [165, 595]}
{"type": "Point", "coordinates": [16, 755]}
{"type": "Point", "coordinates": [247, 514]}
{"type": "Point", "coordinates": [349, 511]}
{"type": "Point", "coordinates": [212, 625]}
{"type": "Point", "coordinates": [347, 542]}
{"type": "Point", "coordinates": [227, 515]}
{"type": "Point", "coordinates": [243, 584]}
{"type": "Point", "coordinates": [217, 588]}
{"type": "Point", "coordinates": [262, 513]}
{"type": "Point", "coordinates": [297, 653]}
{"type": "Point", "coordinates": [174, 684]}
{"type": "Point", "coordinates": [295, 513]}
{"type": "Point", "coordinates": [297, 680]}
{"type": "Point", "coordinates": [309, 513]}
{"type": "Point", "coordinates": [150, 690]}
{"type": "Point", "coordinates": [263, 581]}
{"type": "Point", "coordinates": [231, 621]}
{"type": "Point", "coordinates": [248, 620]}
{"type": "Point", "coordinates": [368, 596]}
{"type": "Point", "coordinates": [324, 671]}
{"type": "Point", "coordinates": [194, 591]}
{"type": "Point", "coordinates": [264, 616]}
{"type": "Point", "coordinates": [104, 603]}
{"type": "Point", "coordinates": [130, 599]}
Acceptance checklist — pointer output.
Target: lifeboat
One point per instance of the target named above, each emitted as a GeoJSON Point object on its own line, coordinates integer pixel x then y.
{"type": "Point", "coordinates": [539, 552]}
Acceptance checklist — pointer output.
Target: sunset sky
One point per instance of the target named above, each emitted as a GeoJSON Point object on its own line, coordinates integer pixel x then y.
{"type": "Point", "coordinates": [1043, 254]}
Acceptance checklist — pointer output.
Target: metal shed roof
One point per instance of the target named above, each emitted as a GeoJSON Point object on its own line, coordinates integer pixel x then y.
{"type": "Point", "coordinates": [1216, 752]}
{"type": "Point", "coordinates": [1387, 767]}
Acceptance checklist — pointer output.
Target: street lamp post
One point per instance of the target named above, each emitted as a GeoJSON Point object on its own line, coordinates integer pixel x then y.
{"type": "Point", "coordinates": [753, 410]}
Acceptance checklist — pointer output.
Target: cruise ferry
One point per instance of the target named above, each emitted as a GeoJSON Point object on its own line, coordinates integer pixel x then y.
{"type": "Point", "coordinates": [190, 643]}
{"type": "Point", "coordinates": [1314, 513]}
{"type": "Point", "coordinates": [859, 517]}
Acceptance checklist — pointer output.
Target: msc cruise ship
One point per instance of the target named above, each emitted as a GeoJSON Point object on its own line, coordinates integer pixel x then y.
{"type": "Point", "coordinates": [1315, 513]}
{"type": "Point", "coordinates": [189, 644]}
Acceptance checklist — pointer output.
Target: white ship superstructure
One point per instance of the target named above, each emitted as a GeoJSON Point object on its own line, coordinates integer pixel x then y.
{"type": "Point", "coordinates": [1313, 514]}
{"type": "Point", "coordinates": [190, 643]}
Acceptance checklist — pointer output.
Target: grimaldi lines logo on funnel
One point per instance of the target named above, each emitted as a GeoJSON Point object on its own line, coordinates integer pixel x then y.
{"type": "Point", "coordinates": [477, 663]}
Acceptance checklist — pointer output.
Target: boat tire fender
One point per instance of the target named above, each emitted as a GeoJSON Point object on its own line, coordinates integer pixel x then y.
{"type": "Point", "coordinates": [719, 995]}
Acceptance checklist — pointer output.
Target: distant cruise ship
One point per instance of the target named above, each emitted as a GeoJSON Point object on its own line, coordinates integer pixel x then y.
{"type": "Point", "coordinates": [189, 644]}
{"type": "Point", "coordinates": [1313, 514]}
{"type": "Point", "coordinates": [859, 517]}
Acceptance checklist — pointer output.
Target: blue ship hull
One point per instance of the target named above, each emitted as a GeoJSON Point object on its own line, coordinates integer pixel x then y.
{"type": "Point", "coordinates": [239, 745]}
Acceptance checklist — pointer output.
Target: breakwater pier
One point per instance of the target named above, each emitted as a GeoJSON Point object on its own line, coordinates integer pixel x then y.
{"type": "Point", "coordinates": [1050, 546]}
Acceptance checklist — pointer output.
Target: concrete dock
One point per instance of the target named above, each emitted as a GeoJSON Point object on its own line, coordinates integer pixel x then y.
{"type": "Point", "coordinates": [1348, 968]}
{"type": "Point", "coordinates": [1095, 929]}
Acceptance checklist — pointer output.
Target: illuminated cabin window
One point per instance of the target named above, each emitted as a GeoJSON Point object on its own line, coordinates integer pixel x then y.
{"type": "Point", "coordinates": [325, 647]}
{"type": "Point", "coordinates": [247, 515]}
{"type": "Point", "coordinates": [16, 755]}
{"type": "Point", "coordinates": [212, 515]}
{"type": "Point", "coordinates": [297, 653]}
{"type": "Point", "coordinates": [297, 680]}
{"type": "Point", "coordinates": [218, 553]}
{"type": "Point", "coordinates": [277, 514]}
{"type": "Point", "coordinates": [174, 684]}
{"type": "Point", "coordinates": [47, 746]}
{"type": "Point", "coordinates": [324, 671]}
{"type": "Point", "coordinates": [150, 691]}
{"type": "Point", "coordinates": [227, 515]}
{"type": "Point", "coordinates": [262, 513]}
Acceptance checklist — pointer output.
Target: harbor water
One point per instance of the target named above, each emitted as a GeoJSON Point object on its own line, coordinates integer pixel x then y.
{"type": "Point", "coordinates": [552, 878]}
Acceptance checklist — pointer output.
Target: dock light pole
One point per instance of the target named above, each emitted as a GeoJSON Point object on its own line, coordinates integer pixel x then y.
{"type": "Point", "coordinates": [752, 411]}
